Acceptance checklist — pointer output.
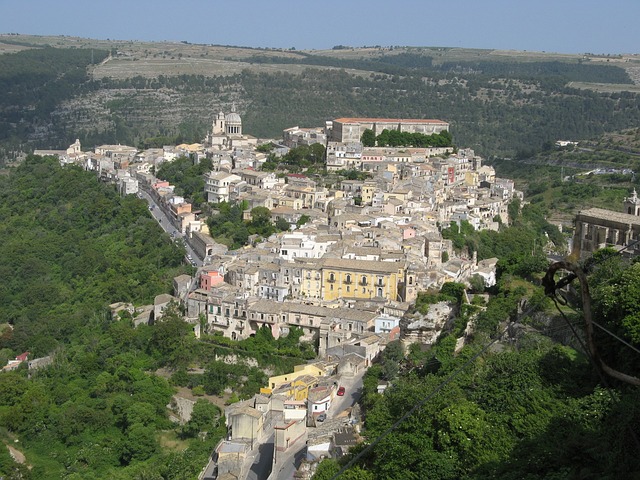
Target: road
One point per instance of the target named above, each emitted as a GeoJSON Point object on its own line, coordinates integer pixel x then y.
{"type": "Point", "coordinates": [289, 462]}
{"type": "Point", "coordinates": [353, 392]}
{"type": "Point", "coordinates": [262, 461]}
{"type": "Point", "coordinates": [167, 226]}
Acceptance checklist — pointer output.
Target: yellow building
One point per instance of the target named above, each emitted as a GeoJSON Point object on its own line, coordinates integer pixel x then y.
{"type": "Point", "coordinates": [471, 179]}
{"type": "Point", "coordinates": [368, 190]}
{"type": "Point", "coordinates": [311, 278]}
{"type": "Point", "coordinates": [362, 279]}
{"type": "Point", "coordinates": [294, 385]}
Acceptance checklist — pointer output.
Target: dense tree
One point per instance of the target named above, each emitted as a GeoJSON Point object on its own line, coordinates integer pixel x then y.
{"type": "Point", "coordinates": [204, 418]}
{"type": "Point", "coordinates": [80, 246]}
{"type": "Point", "coordinates": [368, 138]}
{"type": "Point", "coordinates": [187, 176]}
{"type": "Point", "coordinates": [172, 339]}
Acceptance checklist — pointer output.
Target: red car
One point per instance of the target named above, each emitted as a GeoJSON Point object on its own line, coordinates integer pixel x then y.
{"type": "Point", "coordinates": [340, 391]}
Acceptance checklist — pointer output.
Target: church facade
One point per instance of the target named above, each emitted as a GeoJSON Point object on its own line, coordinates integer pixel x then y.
{"type": "Point", "coordinates": [226, 132]}
{"type": "Point", "coordinates": [597, 228]}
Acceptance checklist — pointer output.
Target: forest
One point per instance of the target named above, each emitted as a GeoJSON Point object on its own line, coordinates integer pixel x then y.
{"type": "Point", "coordinates": [69, 247]}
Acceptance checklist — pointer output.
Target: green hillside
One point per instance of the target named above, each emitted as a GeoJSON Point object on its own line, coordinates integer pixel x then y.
{"type": "Point", "coordinates": [500, 103]}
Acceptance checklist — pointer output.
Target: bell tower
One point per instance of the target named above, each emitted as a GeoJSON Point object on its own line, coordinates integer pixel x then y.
{"type": "Point", "coordinates": [632, 204]}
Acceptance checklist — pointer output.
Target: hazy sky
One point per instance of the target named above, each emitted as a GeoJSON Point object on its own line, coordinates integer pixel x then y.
{"type": "Point", "coordinates": [565, 26]}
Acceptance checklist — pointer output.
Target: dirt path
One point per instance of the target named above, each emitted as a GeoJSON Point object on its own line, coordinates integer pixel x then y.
{"type": "Point", "coordinates": [17, 455]}
{"type": "Point", "coordinates": [219, 401]}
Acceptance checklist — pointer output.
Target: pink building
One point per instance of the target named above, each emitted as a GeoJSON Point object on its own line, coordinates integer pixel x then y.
{"type": "Point", "coordinates": [160, 184]}
{"type": "Point", "coordinates": [408, 232]}
{"type": "Point", "coordinates": [210, 279]}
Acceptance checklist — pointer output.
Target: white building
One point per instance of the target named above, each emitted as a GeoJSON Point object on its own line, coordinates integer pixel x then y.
{"type": "Point", "coordinates": [385, 323]}
{"type": "Point", "coordinates": [217, 186]}
{"type": "Point", "coordinates": [300, 245]}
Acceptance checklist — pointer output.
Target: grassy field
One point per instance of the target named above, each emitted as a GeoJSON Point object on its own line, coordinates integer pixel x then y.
{"type": "Point", "coordinates": [149, 67]}
{"type": "Point", "coordinates": [171, 58]}
{"type": "Point", "coordinates": [605, 87]}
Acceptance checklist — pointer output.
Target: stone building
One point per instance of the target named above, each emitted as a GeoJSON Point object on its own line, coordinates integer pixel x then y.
{"type": "Point", "coordinates": [226, 132]}
{"type": "Point", "coordinates": [351, 129]}
{"type": "Point", "coordinates": [597, 228]}
{"type": "Point", "coordinates": [362, 279]}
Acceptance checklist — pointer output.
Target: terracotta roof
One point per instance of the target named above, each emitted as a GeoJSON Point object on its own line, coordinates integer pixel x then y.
{"type": "Point", "coordinates": [22, 357]}
{"type": "Point", "coordinates": [386, 120]}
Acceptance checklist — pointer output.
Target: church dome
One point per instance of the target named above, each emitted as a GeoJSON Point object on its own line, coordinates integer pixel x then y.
{"type": "Point", "coordinates": [233, 117]}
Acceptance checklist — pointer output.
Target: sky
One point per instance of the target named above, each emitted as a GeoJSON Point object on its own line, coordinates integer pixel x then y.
{"type": "Point", "coordinates": [562, 26]}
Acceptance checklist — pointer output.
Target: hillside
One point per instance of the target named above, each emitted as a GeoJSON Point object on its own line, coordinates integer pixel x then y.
{"type": "Point", "coordinates": [498, 102]}
{"type": "Point", "coordinates": [599, 172]}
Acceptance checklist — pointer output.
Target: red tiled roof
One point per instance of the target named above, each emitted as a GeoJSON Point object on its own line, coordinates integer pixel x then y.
{"type": "Point", "coordinates": [387, 120]}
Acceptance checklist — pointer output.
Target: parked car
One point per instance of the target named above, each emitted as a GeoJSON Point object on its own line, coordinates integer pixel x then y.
{"type": "Point", "coordinates": [322, 417]}
{"type": "Point", "coordinates": [341, 391]}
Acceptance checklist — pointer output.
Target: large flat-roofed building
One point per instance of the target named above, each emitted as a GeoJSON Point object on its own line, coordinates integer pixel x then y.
{"type": "Point", "coordinates": [598, 228]}
{"type": "Point", "coordinates": [351, 129]}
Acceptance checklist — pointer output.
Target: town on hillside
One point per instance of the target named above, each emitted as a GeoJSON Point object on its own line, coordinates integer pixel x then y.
{"type": "Point", "coordinates": [346, 272]}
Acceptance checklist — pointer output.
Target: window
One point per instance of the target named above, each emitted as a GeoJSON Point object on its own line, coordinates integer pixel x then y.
{"type": "Point", "coordinates": [348, 280]}
{"type": "Point", "coordinates": [363, 281]}
{"type": "Point", "coordinates": [332, 277]}
{"type": "Point", "coordinates": [379, 292]}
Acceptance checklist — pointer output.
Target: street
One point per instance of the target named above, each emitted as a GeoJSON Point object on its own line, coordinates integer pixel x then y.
{"type": "Point", "coordinates": [353, 391]}
{"type": "Point", "coordinates": [167, 226]}
{"type": "Point", "coordinates": [262, 460]}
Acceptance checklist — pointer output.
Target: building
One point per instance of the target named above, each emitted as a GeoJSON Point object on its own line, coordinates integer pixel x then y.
{"type": "Point", "coordinates": [319, 400]}
{"type": "Point", "coordinates": [385, 323]}
{"type": "Point", "coordinates": [210, 279]}
{"type": "Point", "coordinates": [217, 186]}
{"type": "Point", "coordinates": [351, 129]}
{"type": "Point", "coordinates": [597, 228]}
{"type": "Point", "coordinates": [244, 423]}
{"type": "Point", "coordinates": [296, 136]}
{"type": "Point", "coordinates": [362, 279]}
{"type": "Point", "coordinates": [226, 133]}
